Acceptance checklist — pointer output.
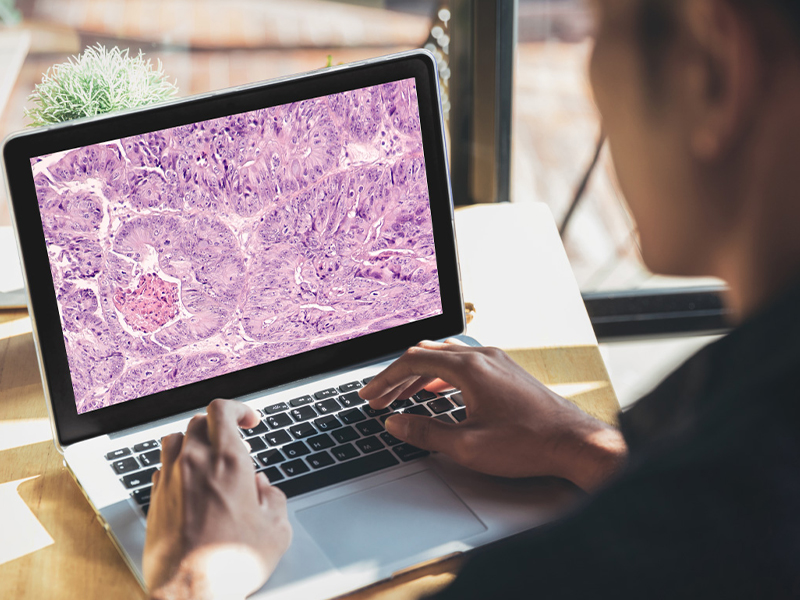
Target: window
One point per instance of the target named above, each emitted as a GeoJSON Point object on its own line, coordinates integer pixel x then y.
{"type": "Point", "coordinates": [203, 45]}
{"type": "Point", "coordinates": [528, 62]}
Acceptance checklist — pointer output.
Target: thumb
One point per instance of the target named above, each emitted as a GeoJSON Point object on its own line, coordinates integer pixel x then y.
{"type": "Point", "coordinates": [423, 432]}
{"type": "Point", "coordinates": [263, 487]}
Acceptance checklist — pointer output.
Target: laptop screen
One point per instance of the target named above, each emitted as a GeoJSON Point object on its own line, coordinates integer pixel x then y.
{"type": "Point", "coordinates": [187, 253]}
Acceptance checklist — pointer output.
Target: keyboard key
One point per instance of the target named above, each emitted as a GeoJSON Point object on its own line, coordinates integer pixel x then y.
{"type": "Point", "coordinates": [440, 405]}
{"type": "Point", "coordinates": [367, 380]}
{"type": "Point", "coordinates": [327, 423]}
{"type": "Point", "coordinates": [327, 406]}
{"type": "Point", "coordinates": [320, 442]}
{"type": "Point", "coordinates": [256, 444]}
{"type": "Point", "coordinates": [459, 415]}
{"type": "Point", "coordinates": [371, 412]}
{"type": "Point", "coordinates": [295, 450]}
{"type": "Point", "coordinates": [279, 421]}
{"type": "Point", "coordinates": [276, 408]}
{"type": "Point", "coordinates": [257, 430]}
{"type": "Point", "coordinates": [370, 427]}
{"type": "Point", "coordinates": [276, 438]}
{"type": "Point", "coordinates": [445, 419]}
{"type": "Point", "coordinates": [118, 453]}
{"type": "Point", "coordinates": [270, 457]}
{"type": "Point", "coordinates": [301, 401]}
{"type": "Point", "coordinates": [389, 439]}
{"type": "Point", "coordinates": [344, 452]}
{"type": "Point", "coordinates": [370, 444]}
{"type": "Point", "coordinates": [418, 410]}
{"type": "Point", "coordinates": [273, 474]}
{"type": "Point", "coordinates": [424, 396]}
{"type": "Point", "coordinates": [458, 399]}
{"type": "Point", "coordinates": [319, 460]}
{"type": "Point", "coordinates": [126, 465]}
{"type": "Point", "coordinates": [348, 434]}
{"type": "Point", "coordinates": [150, 459]}
{"type": "Point", "coordinates": [351, 416]}
{"type": "Point", "coordinates": [329, 393]}
{"type": "Point", "coordinates": [145, 446]}
{"type": "Point", "coordinates": [350, 400]}
{"type": "Point", "coordinates": [338, 473]}
{"type": "Point", "coordinates": [304, 413]}
{"type": "Point", "coordinates": [398, 404]}
{"type": "Point", "coordinates": [145, 509]}
{"type": "Point", "coordinates": [142, 495]}
{"type": "Point", "coordinates": [349, 387]}
{"type": "Point", "coordinates": [407, 452]}
{"type": "Point", "coordinates": [295, 467]}
{"type": "Point", "coordinates": [136, 479]}
{"type": "Point", "coordinates": [302, 430]}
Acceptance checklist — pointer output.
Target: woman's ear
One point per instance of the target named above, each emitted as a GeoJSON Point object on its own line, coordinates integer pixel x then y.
{"type": "Point", "coordinates": [722, 78]}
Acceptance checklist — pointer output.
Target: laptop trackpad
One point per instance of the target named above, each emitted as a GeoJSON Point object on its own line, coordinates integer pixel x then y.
{"type": "Point", "coordinates": [390, 522]}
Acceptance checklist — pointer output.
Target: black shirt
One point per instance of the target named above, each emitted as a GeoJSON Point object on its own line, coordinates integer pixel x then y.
{"type": "Point", "coordinates": [709, 503]}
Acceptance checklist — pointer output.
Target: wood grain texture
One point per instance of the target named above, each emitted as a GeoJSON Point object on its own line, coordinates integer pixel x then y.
{"type": "Point", "coordinates": [82, 563]}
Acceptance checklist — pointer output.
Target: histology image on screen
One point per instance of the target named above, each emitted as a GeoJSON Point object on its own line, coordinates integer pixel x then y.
{"type": "Point", "coordinates": [188, 253]}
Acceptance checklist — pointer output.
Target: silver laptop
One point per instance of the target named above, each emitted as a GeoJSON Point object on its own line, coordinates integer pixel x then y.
{"type": "Point", "coordinates": [279, 243]}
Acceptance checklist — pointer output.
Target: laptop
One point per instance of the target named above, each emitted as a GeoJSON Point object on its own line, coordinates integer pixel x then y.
{"type": "Point", "coordinates": [279, 243]}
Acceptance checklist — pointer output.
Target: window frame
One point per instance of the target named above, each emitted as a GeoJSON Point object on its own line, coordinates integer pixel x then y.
{"type": "Point", "coordinates": [483, 47]}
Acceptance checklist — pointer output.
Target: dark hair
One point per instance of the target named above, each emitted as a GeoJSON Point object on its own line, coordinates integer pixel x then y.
{"type": "Point", "coordinates": [658, 25]}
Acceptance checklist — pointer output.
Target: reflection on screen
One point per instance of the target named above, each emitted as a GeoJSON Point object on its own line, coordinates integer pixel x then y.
{"type": "Point", "coordinates": [191, 252]}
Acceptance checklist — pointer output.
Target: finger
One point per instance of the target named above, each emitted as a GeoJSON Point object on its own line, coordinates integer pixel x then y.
{"type": "Point", "coordinates": [424, 432]}
{"type": "Point", "coordinates": [274, 499]}
{"type": "Point", "coordinates": [224, 419]}
{"type": "Point", "coordinates": [419, 384]}
{"type": "Point", "coordinates": [170, 449]}
{"type": "Point", "coordinates": [449, 345]}
{"type": "Point", "coordinates": [416, 362]}
{"type": "Point", "coordinates": [439, 386]}
{"type": "Point", "coordinates": [155, 479]}
{"type": "Point", "coordinates": [198, 429]}
{"type": "Point", "coordinates": [262, 485]}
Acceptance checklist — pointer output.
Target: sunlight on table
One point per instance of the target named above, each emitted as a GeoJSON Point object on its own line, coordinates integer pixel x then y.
{"type": "Point", "coordinates": [22, 532]}
{"type": "Point", "coordinates": [19, 326]}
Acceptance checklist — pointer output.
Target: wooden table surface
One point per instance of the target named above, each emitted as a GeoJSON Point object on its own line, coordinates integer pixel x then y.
{"type": "Point", "coordinates": [514, 271]}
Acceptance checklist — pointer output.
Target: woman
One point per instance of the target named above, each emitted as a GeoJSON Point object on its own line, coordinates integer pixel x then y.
{"type": "Point", "coordinates": [696, 495]}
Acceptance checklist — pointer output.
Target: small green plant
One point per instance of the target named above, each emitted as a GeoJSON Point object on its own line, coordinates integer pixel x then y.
{"type": "Point", "coordinates": [8, 14]}
{"type": "Point", "coordinates": [96, 82]}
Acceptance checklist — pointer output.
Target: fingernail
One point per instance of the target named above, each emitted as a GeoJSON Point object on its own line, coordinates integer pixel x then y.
{"type": "Point", "coordinates": [397, 426]}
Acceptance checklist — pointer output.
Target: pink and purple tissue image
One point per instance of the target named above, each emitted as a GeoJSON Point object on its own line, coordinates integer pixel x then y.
{"type": "Point", "coordinates": [191, 252]}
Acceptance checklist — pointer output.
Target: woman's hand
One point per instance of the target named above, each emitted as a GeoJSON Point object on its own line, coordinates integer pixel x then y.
{"type": "Point", "coordinates": [215, 529]}
{"type": "Point", "coordinates": [515, 426]}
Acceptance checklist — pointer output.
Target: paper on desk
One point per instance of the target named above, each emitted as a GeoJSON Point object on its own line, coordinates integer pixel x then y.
{"type": "Point", "coordinates": [10, 271]}
{"type": "Point", "coordinates": [515, 271]}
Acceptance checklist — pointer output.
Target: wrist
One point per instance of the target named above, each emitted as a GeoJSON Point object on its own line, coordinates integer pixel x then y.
{"type": "Point", "coordinates": [598, 452]}
{"type": "Point", "coordinates": [225, 571]}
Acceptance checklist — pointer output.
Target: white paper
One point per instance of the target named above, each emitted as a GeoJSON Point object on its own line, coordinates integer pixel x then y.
{"type": "Point", "coordinates": [10, 271]}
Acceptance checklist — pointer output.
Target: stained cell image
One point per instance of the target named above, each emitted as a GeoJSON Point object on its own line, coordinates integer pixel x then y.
{"type": "Point", "coordinates": [197, 251]}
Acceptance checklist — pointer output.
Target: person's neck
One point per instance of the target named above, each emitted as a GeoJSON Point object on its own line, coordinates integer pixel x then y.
{"type": "Point", "coordinates": [760, 256]}
{"type": "Point", "coordinates": [749, 292]}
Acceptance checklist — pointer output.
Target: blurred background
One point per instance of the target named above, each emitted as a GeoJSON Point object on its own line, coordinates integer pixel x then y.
{"type": "Point", "coordinates": [522, 124]}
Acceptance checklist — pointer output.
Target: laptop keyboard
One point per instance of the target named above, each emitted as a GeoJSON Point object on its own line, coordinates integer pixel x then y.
{"type": "Point", "coordinates": [310, 442]}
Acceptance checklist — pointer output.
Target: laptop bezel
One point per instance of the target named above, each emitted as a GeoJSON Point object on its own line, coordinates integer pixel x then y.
{"type": "Point", "coordinates": [71, 427]}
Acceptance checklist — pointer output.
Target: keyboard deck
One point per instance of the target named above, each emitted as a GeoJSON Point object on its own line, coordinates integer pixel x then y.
{"type": "Point", "coordinates": [309, 442]}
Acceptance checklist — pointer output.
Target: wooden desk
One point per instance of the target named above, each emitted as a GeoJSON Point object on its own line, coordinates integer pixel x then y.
{"type": "Point", "coordinates": [514, 271]}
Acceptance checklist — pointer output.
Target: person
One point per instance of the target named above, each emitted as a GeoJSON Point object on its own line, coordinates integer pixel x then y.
{"type": "Point", "coordinates": [696, 495]}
